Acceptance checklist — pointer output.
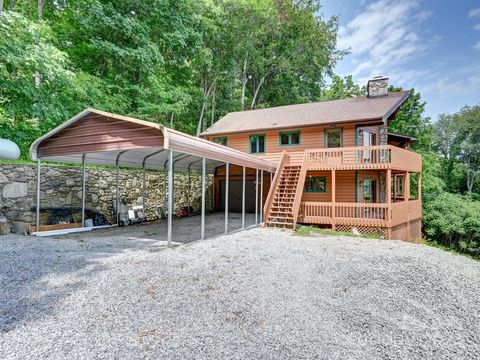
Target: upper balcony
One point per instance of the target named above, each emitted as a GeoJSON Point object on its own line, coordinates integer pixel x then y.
{"type": "Point", "coordinates": [359, 158]}
{"type": "Point", "coordinates": [355, 158]}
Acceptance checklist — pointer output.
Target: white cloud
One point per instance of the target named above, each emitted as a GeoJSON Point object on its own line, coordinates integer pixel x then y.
{"type": "Point", "coordinates": [474, 13]}
{"type": "Point", "coordinates": [477, 46]}
{"type": "Point", "coordinates": [477, 27]}
{"type": "Point", "coordinates": [384, 36]}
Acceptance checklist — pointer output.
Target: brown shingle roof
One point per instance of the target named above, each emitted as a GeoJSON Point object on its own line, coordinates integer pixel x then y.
{"type": "Point", "coordinates": [354, 109]}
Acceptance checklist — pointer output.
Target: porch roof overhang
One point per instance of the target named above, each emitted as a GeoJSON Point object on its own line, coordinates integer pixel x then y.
{"type": "Point", "coordinates": [111, 139]}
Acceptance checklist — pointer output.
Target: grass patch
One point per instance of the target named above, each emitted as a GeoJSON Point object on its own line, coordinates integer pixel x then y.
{"type": "Point", "coordinates": [452, 250]}
{"type": "Point", "coordinates": [303, 230]}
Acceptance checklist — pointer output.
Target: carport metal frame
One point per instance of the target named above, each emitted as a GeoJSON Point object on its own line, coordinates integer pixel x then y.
{"type": "Point", "coordinates": [56, 147]}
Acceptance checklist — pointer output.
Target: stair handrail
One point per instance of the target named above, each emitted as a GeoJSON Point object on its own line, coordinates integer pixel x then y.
{"type": "Point", "coordinates": [284, 160]}
{"type": "Point", "coordinates": [299, 191]}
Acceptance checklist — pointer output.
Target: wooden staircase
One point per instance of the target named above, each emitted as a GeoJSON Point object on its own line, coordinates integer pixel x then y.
{"type": "Point", "coordinates": [281, 208]}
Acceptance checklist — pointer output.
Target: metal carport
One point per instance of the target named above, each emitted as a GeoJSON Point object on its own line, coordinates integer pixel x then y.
{"type": "Point", "coordinates": [102, 138]}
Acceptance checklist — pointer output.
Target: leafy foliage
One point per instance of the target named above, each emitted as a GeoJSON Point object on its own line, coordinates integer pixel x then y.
{"type": "Point", "coordinates": [178, 62]}
{"type": "Point", "coordinates": [454, 220]}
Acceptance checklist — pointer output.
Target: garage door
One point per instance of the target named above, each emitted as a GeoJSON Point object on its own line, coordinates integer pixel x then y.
{"type": "Point", "coordinates": [235, 196]}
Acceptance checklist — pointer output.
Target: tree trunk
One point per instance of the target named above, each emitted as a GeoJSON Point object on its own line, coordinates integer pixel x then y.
{"type": "Point", "coordinates": [1, 6]}
{"type": "Point", "coordinates": [257, 90]}
{"type": "Point", "coordinates": [36, 76]}
{"type": "Point", "coordinates": [471, 176]}
{"type": "Point", "coordinates": [212, 119]}
{"type": "Point", "coordinates": [40, 10]}
{"type": "Point", "coordinates": [244, 82]}
{"type": "Point", "coordinates": [171, 120]}
{"type": "Point", "coordinates": [204, 104]}
{"type": "Point", "coordinates": [12, 5]}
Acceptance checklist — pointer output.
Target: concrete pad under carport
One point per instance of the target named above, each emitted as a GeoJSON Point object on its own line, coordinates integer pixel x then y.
{"type": "Point", "coordinates": [185, 230]}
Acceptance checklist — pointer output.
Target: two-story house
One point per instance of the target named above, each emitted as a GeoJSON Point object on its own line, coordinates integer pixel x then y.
{"type": "Point", "coordinates": [338, 166]}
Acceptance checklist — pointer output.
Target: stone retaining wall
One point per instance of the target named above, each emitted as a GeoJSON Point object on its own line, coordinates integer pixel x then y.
{"type": "Point", "coordinates": [62, 187]}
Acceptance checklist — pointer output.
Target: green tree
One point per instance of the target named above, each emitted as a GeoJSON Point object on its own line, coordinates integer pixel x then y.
{"type": "Point", "coordinates": [411, 120]}
{"type": "Point", "coordinates": [342, 88]}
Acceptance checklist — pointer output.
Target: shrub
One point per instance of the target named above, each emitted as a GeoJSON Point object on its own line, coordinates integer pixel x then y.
{"type": "Point", "coordinates": [453, 220]}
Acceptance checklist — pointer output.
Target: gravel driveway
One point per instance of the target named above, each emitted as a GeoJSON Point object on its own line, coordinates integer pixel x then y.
{"type": "Point", "coordinates": [255, 294]}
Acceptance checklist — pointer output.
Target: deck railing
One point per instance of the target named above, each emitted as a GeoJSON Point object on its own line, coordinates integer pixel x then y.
{"type": "Point", "coordinates": [359, 214]}
{"type": "Point", "coordinates": [364, 157]}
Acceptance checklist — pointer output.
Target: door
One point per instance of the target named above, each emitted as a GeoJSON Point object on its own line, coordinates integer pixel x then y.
{"type": "Point", "coordinates": [369, 139]}
{"type": "Point", "coordinates": [369, 191]}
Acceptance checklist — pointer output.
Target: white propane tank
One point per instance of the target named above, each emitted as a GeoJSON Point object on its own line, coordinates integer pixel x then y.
{"type": "Point", "coordinates": [9, 150]}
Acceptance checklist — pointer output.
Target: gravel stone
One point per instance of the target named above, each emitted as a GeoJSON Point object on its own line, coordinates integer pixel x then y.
{"type": "Point", "coordinates": [256, 294]}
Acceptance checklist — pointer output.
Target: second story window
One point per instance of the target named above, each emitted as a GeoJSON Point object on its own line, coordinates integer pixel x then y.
{"type": "Point", "coordinates": [220, 140]}
{"type": "Point", "coordinates": [289, 138]}
{"type": "Point", "coordinates": [333, 138]}
{"type": "Point", "coordinates": [257, 144]}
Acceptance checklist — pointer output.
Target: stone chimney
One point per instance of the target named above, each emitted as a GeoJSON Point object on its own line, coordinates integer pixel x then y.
{"type": "Point", "coordinates": [377, 87]}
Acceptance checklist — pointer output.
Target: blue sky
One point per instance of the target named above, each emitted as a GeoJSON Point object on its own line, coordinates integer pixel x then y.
{"type": "Point", "coordinates": [433, 46]}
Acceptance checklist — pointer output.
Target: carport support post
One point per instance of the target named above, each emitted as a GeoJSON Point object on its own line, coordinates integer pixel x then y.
{"type": "Point", "coordinates": [143, 190]}
{"type": "Point", "coordinates": [204, 170]}
{"type": "Point", "coordinates": [243, 199]}
{"type": "Point", "coordinates": [84, 156]}
{"type": "Point", "coordinates": [170, 197]}
{"type": "Point", "coordinates": [38, 195]}
{"type": "Point", "coordinates": [188, 191]}
{"type": "Point", "coordinates": [256, 197]}
{"type": "Point", "coordinates": [261, 196]}
{"type": "Point", "coordinates": [116, 189]}
{"type": "Point", "coordinates": [227, 175]}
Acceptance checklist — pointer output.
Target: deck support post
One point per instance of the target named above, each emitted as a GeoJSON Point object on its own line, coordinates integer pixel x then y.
{"type": "Point", "coordinates": [38, 194]}
{"type": "Point", "coordinates": [256, 196]}
{"type": "Point", "coordinates": [388, 192]}
{"type": "Point", "coordinates": [261, 196]}
{"type": "Point", "coordinates": [243, 198]}
{"type": "Point", "coordinates": [84, 156]}
{"type": "Point", "coordinates": [334, 196]}
{"type": "Point", "coordinates": [407, 198]}
{"type": "Point", "coordinates": [419, 190]}
{"type": "Point", "coordinates": [170, 197]}
{"type": "Point", "coordinates": [227, 175]}
{"type": "Point", "coordinates": [204, 170]}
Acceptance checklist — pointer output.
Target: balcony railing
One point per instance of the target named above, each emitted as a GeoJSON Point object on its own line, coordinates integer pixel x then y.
{"type": "Point", "coordinates": [369, 157]}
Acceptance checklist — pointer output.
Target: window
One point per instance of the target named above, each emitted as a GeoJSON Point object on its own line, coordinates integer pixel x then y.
{"type": "Point", "coordinates": [315, 184]}
{"type": "Point", "coordinates": [289, 138]}
{"type": "Point", "coordinates": [333, 138]}
{"type": "Point", "coordinates": [257, 144]}
{"type": "Point", "coordinates": [220, 140]}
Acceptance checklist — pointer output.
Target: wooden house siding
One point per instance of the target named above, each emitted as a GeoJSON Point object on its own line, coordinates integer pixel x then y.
{"type": "Point", "coordinates": [310, 138]}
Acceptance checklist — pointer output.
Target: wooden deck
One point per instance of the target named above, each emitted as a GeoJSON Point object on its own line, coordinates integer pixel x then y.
{"type": "Point", "coordinates": [402, 220]}
{"type": "Point", "coordinates": [354, 158]}
{"type": "Point", "coordinates": [360, 214]}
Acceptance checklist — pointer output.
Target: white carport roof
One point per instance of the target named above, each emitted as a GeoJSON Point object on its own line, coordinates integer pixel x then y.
{"type": "Point", "coordinates": [105, 138]}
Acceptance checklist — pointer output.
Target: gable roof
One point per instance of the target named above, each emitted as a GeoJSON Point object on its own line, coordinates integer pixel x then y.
{"type": "Point", "coordinates": [110, 139]}
{"type": "Point", "coordinates": [354, 109]}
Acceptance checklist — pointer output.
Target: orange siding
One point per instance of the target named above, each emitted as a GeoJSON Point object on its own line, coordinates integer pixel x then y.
{"type": "Point", "coordinates": [345, 187]}
{"type": "Point", "coordinates": [310, 138]}
{"type": "Point", "coordinates": [317, 196]}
